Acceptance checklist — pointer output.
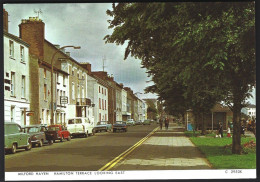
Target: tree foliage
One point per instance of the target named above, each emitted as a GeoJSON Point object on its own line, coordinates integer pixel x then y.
{"type": "Point", "coordinates": [197, 53]}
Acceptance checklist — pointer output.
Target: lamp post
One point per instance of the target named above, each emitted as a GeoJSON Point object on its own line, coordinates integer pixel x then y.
{"type": "Point", "coordinates": [75, 47]}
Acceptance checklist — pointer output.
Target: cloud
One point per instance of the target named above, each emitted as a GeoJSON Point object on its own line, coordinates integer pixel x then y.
{"type": "Point", "coordinates": [83, 24]}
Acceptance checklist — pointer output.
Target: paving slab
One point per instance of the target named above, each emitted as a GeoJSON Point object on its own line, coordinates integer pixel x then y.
{"type": "Point", "coordinates": [165, 150]}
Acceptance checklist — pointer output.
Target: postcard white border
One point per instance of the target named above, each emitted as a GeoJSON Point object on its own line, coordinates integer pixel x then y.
{"type": "Point", "coordinates": [132, 175]}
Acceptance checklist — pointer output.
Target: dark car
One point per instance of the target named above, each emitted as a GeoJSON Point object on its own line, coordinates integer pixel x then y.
{"type": "Point", "coordinates": [58, 132]}
{"type": "Point", "coordinates": [119, 125]}
{"type": "Point", "coordinates": [147, 122]}
{"type": "Point", "coordinates": [37, 135]}
{"type": "Point", "coordinates": [102, 126]}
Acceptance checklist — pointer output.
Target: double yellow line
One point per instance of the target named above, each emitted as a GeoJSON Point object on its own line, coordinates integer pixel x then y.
{"type": "Point", "coordinates": [125, 153]}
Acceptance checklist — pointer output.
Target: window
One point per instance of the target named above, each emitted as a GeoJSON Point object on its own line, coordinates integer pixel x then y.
{"type": "Point", "coordinates": [73, 91]}
{"type": "Point", "coordinates": [99, 116]}
{"type": "Point", "coordinates": [83, 78]}
{"type": "Point", "coordinates": [44, 72]}
{"type": "Point", "coordinates": [99, 89]}
{"type": "Point", "coordinates": [105, 92]}
{"type": "Point", "coordinates": [12, 83]}
{"type": "Point", "coordinates": [22, 53]}
{"type": "Point", "coordinates": [105, 116]}
{"type": "Point", "coordinates": [64, 80]}
{"type": "Point", "coordinates": [72, 71]}
{"type": "Point", "coordinates": [45, 92]}
{"type": "Point", "coordinates": [58, 78]}
{"type": "Point", "coordinates": [102, 91]}
{"type": "Point", "coordinates": [99, 103]}
{"type": "Point", "coordinates": [47, 116]}
{"type": "Point", "coordinates": [82, 92]}
{"type": "Point", "coordinates": [58, 96]}
{"type": "Point", "coordinates": [78, 74]}
{"type": "Point", "coordinates": [78, 91]}
{"type": "Point", "coordinates": [23, 86]}
{"type": "Point", "coordinates": [42, 116]}
{"type": "Point", "coordinates": [105, 105]}
{"type": "Point", "coordinates": [102, 104]}
{"type": "Point", "coordinates": [11, 48]}
{"type": "Point", "coordinates": [12, 113]}
{"type": "Point", "coordinates": [64, 94]}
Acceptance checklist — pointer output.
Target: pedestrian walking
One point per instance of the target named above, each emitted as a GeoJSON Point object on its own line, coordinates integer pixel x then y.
{"type": "Point", "coordinates": [242, 130]}
{"type": "Point", "coordinates": [220, 130]}
{"type": "Point", "coordinates": [228, 132]}
{"type": "Point", "coordinates": [166, 123]}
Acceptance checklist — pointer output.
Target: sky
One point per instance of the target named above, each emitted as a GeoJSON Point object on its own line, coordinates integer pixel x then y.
{"type": "Point", "coordinates": [85, 25]}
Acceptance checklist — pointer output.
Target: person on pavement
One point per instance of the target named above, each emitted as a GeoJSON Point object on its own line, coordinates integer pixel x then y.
{"type": "Point", "coordinates": [166, 123]}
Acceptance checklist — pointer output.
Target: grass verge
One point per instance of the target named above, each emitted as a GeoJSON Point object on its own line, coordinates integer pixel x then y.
{"type": "Point", "coordinates": [218, 152]}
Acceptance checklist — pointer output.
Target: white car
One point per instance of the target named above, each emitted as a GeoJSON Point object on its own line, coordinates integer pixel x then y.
{"type": "Point", "coordinates": [130, 122]}
{"type": "Point", "coordinates": [80, 126]}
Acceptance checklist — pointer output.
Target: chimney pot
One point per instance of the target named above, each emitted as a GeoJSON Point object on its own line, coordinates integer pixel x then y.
{"type": "Point", "coordinates": [57, 46]}
{"type": "Point", "coordinates": [68, 54]}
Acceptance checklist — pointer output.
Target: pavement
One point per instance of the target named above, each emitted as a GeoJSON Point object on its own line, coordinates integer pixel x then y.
{"type": "Point", "coordinates": [165, 150]}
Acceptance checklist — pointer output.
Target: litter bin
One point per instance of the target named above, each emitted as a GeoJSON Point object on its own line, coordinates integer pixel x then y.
{"type": "Point", "coordinates": [189, 127]}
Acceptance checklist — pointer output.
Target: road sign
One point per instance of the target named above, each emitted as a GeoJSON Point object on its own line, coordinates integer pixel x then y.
{"type": "Point", "coordinates": [63, 99]}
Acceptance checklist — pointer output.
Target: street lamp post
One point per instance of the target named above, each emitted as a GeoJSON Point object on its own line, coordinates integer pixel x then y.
{"type": "Point", "coordinates": [75, 47]}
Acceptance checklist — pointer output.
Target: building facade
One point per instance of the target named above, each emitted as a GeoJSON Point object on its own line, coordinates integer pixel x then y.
{"type": "Point", "coordinates": [16, 79]}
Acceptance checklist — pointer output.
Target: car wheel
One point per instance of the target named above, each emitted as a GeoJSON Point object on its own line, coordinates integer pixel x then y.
{"type": "Point", "coordinates": [29, 147]}
{"type": "Point", "coordinates": [40, 143]}
{"type": "Point", "coordinates": [13, 149]}
{"type": "Point", "coordinates": [50, 142]}
{"type": "Point", "coordinates": [61, 140]}
{"type": "Point", "coordinates": [69, 138]}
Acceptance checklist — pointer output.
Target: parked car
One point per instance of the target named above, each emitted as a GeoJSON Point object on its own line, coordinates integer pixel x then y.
{"type": "Point", "coordinates": [103, 126]}
{"type": "Point", "coordinates": [139, 122]}
{"type": "Point", "coordinates": [49, 136]}
{"type": "Point", "coordinates": [58, 132]}
{"type": "Point", "coordinates": [119, 125]}
{"type": "Point", "coordinates": [130, 122]}
{"type": "Point", "coordinates": [15, 138]}
{"type": "Point", "coordinates": [80, 126]}
{"type": "Point", "coordinates": [37, 135]}
{"type": "Point", "coordinates": [147, 122]}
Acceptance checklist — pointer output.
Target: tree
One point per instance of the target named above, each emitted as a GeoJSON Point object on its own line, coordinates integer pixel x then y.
{"type": "Point", "coordinates": [193, 45]}
{"type": "Point", "coordinates": [151, 109]}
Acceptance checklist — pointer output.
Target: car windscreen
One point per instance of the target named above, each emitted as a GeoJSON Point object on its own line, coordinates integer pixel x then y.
{"type": "Point", "coordinates": [120, 122]}
{"type": "Point", "coordinates": [53, 128]}
{"type": "Point", "coordinates": [33, 130]}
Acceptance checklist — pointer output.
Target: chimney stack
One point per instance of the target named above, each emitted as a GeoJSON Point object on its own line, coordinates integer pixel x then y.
{"type": "Point", "coordinates": [57, 46]}
{"type": "Point", "coordinates": [87, 66]}
{"type": "Point", "coordinates": [32, 32]}
{"type": "Point", "coordinates": [5, 16]}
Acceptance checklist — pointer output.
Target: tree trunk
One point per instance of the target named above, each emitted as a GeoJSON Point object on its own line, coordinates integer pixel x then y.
{"type": "Point", "coordinates": [203, 130]}
{"type": "Point", "coordinates": [236, 143]}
